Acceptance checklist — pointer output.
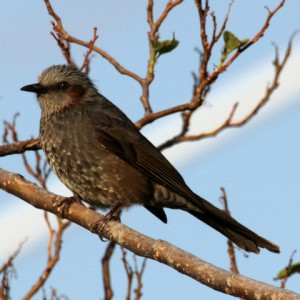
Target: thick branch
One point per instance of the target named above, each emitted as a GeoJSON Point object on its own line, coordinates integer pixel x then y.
{"type": "Point", "coordinates": [142, 245]}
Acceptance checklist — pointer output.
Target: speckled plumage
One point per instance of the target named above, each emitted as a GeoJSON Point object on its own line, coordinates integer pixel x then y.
{"type": "Point", "coordinates": [69, 139]}
{"type": "Point", "coordinates": [98, 153]}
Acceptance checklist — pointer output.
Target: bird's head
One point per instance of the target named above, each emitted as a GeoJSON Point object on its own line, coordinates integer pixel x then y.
{"type": "Point", "coordinates": [61, 87]}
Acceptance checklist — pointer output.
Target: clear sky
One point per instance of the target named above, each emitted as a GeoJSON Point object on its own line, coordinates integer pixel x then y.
{"type": "Point", "coordinates": [259, 164]}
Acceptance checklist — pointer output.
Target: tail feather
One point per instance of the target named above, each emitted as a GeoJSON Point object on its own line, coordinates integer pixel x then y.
{"type": "Point", "coordinates": [233, 230]}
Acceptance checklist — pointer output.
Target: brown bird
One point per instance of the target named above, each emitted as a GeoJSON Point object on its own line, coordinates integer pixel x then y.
{"type": "Point", "coordinates": [99, 154]}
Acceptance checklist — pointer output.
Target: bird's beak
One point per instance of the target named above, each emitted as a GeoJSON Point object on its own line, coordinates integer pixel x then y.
{"type": "Point", "coordinates": [34, 88]}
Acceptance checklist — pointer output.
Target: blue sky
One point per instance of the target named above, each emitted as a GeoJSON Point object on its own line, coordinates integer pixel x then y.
{"type": "Point", "coordinates": [259, 164]}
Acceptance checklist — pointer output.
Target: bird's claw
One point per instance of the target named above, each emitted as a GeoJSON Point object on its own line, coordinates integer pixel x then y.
{"type": "Point", "coordinates": [112, 215]}
{"type": "Point", "coordinates": [62, 206]}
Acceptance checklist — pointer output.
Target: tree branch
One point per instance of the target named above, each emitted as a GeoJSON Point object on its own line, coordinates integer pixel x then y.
{"type": "Point", "coordinates": [61, 32]}
{"type": "Point", "coordinates": [206, 80]}
{"type": "Point", "coordinates": [228, 122]}
{"type": "Point", "coordinates": [52, 258]}
{"type": "Point", "coordinates": [20, 147]}
{"type": "Point", "coordinates": [7, 270]}
{"type": "Point", "coordinates": [231, 252]}
{"type": "Point", "coordinates": [164, 252]}
{"type": "Point", "coordinates": [108, 291]}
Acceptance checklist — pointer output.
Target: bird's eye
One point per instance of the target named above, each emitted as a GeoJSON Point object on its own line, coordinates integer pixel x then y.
{"type": "Point", "coordinates": [62, 85]}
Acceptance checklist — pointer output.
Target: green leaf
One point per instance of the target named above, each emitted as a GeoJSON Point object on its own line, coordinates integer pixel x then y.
{"type": "Point", "coordinates": [162, 47]}
{"type": "Point", "coordinates": [231, 43]}
{"type": "Point", "coordinates": [294, 268]}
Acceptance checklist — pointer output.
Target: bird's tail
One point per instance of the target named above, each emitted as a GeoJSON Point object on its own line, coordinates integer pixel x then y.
{"type": "Point", "coordinates": [233, 230]}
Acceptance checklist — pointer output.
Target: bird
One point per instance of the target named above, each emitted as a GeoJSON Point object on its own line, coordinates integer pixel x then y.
{"type": "Point", "coordinates": [100, 155]}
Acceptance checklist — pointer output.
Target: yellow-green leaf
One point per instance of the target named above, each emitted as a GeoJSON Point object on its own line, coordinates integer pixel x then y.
{"type": "Point", "coordinates": [162, 47]}
{"type": "Point", "coordinates": [294, 268]}
{"type": "Point", "coordinates": [231, 43]}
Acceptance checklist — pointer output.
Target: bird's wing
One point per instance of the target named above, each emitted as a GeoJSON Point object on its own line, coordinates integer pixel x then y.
{"type": "Point", "coordinates": [116, 133]}
{"type": "Point", "coordinates": [121, 137]}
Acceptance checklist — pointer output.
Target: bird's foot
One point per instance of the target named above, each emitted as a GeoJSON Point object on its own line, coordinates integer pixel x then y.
{"type": "Point", "coordinates": [113, 214]}
{"type": "Point", "coordinates": [62, 205]}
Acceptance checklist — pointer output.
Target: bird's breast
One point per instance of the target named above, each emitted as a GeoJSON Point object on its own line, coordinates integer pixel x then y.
{"type": "Point", "coordinates": [84, 165]}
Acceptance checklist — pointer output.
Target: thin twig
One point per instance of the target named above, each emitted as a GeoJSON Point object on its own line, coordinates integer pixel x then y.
{"type": "Point", "coordinates": [223, 27]}
{"type": "Point", "coordinates": [9, 262]}
{"type": "Point", "coordinates": [20, 147]}
{"type": "Point", "coordinates": [64, 45]}
{"type": "Point", "coordinates": [129, 273]}
{"type": "Point", "coordinates": [108, 291]}
{"type": "Point", "coordinates": [156, 25]}
{"type": "Point", "coordinates": [53, 258]}
{"type": "Point", "coordinates": [41, 174]}
{"type": "Point", "coordinates": [90, 50]}
{"type": "Point", "coordinates": [206, 80]}
{"type": "Point", "coordinates": [228, 122]}
{"type": "Point", "coordinates": [36, 171]}
{"type": "Point", "coordinates": [178, 139]}
{"type": "Point", "coordinates": [257, 37]}
{"type": "Point", "coordinates": [139, 274]}
{"type": "Point", "coordinates": [7, 270]}
{"type": "Point", "coordinates": [62, 33]}
{"type": "Point", "coordinates": [231, 252]}
{"type": "Point", "coordinates": [152, 35]}
{"type": "Point", "coordinates": [63, 39]}
{"type": "Point", "coordinates": [288, 268]}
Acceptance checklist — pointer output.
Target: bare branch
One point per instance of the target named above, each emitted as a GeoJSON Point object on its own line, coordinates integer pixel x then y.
{"type": "Point", "coordinates": [12, 257]}
{"type": "Point", "coordinates": [64, 46]}
{"type": "Point", "coordinates": [163, 113]}
{"type": "Point", "coordinates": [183, 138]}
{"type": "Point", "coordinates": [108, 292]}
{"type": "Point", "coordinates": [203, 11]}
{"type": "Point", "coordinates": [62, 33]}
{"type": "Point", "coordinates": [231, 252]}
{"type": "Point", "coordinates": [36, 172]}
{"type": "Point", "coordinates": [257, 37]}
{"type": "Point", "coordinates": [164, 252]}
{"type": "Point", "coordinates": [152, 35]}
{"type": "Point", "coordinates": [41, 174]}
{"type": "Point", "coordinates": [90, 50]}
{"type": "Point", "coordinates": [8, 270]}
{"type": "Point", "coordinates": [288, 268]}
{"type": "Point", "coordinates": [228, 122]}
{"type": "Point", "coordinates": [139, 274]}
{"type": "Point", "coordinates": [20, 147]}
{"type": "Point", "coordinates": [129, 273]}
{"type": "Point", "coordinates": [217, 37]}
{"type": "Point", "coordinates": [150, 14]}
{"type": "Point", "coordinates": [206, 80]}
{"type": "Point", "coordinates": [155, 26]}
{"type": "Point", "coordinates": [52, 258]}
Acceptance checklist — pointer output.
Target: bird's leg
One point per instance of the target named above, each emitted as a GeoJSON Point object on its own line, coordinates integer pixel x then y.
{"type": "Point", "coordinates": [62, 205]}
{"type": "Point", "coordinates": [113, 213]}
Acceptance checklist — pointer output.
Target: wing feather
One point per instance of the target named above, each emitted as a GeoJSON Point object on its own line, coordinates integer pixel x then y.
{"type": "Point", "coordinates": [123, 139]}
